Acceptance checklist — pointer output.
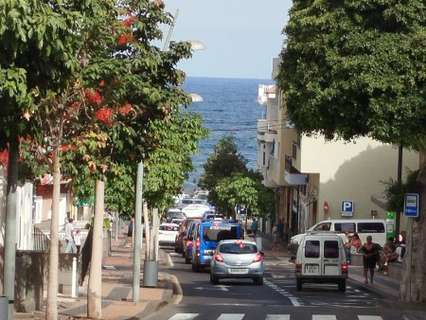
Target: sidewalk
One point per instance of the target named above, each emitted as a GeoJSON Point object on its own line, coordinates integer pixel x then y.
{"type": "Point", "coordinates": [117, 289]}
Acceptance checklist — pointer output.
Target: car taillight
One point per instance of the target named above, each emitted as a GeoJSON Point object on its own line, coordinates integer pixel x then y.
{"type": "Point", "coordinates": [345, 267]}
{"type": "Point", "coordinates": [298, 267]}
{"type": "Point", "coordinates": [258, 258]}
{"type": "Point", "coordinates": [218, 257]}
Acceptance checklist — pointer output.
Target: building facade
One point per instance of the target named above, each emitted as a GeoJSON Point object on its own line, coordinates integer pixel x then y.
{"type": "Point", "coordinates": [315, 179]}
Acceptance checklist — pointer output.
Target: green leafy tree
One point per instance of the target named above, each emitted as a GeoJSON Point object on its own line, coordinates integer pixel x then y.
{"type": "Point", "coordinates": [222, 163]}
{"type": "Point", "coordinates": [358, 68]}
{"type": "Point", "coordinates": [237, 190]}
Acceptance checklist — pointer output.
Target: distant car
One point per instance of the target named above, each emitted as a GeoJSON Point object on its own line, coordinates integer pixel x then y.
{"type": "Point", "coordinates": [174, 214]}
{"type": "Point", "coordinates": [211, 215]}
{"type": "Point", "coordinates": [183, 229]}
{"type": "Point", "coordinates": [237, 259]}
{"type": "Point", "coordinates": [195, 210]}
{"type": "Point", "coordinates": [188, 240]}
{"type": "Point", "coordinates": [167, 233]}
{"type": "Point", "coordinates": [177, 221]}
{"type": "Point", "coordinates": [321, 259]}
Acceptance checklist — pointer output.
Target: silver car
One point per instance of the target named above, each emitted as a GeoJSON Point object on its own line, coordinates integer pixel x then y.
{"type": "Point", "coordinates": [237, 259]}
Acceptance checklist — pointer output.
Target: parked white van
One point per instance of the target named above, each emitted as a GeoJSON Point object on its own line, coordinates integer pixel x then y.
{"type": "Point", "coordinates": [364, 227]}
{"type": "Point", "coordinates": [321, 259]}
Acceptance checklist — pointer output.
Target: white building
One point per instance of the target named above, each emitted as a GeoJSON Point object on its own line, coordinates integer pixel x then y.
{"type": "Point", "coordinates": [312, 177]}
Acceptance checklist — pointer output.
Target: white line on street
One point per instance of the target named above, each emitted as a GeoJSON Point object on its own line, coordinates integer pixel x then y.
{"type": "Point", "coordinates": [231, 316]}
{"type": "Point", "coordinates": [278, 317]}
{"type": "Point", "coordinates": [323, 317]}
{"type": "Point", "coordinates": [370, 318]}
{"type": "Point", "coordinates": [184, 316]}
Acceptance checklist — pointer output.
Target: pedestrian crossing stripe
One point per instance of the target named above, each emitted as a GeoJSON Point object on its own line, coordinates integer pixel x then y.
{"type": "Point", "coordinates": [184, 316]}
{"type": "Point", "coordinates": [240, 316]}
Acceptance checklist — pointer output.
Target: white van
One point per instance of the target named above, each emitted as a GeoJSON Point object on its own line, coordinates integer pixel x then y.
{"type": "Point", "coordinates": [364, 227]}
{"type": "Point", "coordinates": [321, 259]}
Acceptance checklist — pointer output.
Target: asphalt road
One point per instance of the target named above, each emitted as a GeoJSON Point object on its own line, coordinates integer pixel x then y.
{"type": "Point", "coordinates": [277, 299]}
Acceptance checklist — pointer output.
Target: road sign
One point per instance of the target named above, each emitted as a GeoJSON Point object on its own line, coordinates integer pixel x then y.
{"type": "Point", "coordinates": [411, 205]}
{"type": "Point", "coordinates": [347, 208]}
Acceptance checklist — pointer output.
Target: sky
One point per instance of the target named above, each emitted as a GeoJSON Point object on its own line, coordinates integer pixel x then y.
{"type": "Point", "coordinates": [241, 36]}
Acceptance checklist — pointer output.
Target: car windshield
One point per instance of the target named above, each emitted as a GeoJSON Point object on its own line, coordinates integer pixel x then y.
{"type": "Point", "coordinates": [219, 233]}
{"type": "Point", "coordinates": [238, 248]}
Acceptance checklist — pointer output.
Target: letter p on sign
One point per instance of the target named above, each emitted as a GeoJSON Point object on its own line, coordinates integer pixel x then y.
{"type": "Point", "coordinates": [347, 208]}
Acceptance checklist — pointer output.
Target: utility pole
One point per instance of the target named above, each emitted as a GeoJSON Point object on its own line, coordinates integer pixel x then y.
{"type": "Point", "coordinates": [399, 181]}
{"type": "Point", "coordinates": [10, 243]}
{"type": "Point", "coordinates": [137, 234]}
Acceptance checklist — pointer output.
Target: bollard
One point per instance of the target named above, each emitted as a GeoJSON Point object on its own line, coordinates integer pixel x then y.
{"type": "Point", "coordinates": [4, 304]}
{"type": "Point", "coordinates": [74, 278]}
{"type": "Point", "coordinates": [150, 273]}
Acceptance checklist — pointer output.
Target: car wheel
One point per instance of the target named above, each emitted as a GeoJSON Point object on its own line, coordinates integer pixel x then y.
{"type": "Point", "coordinates": [342, 285]}
{"type": "Point", "coordinates": [214, 279]}
{"type": "Point", "coordinates": [299, 284]}
{"type": "Point", "coordinates": [258, 281]}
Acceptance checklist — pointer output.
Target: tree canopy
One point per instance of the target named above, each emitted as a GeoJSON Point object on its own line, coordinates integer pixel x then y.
{"type": "Point", "coordinates": [357, 68]}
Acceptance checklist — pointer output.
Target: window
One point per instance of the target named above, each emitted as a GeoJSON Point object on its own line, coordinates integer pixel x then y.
{"type": "Point", "coordinates": [238, 248]}
{"type": "Point", "coordinates": [323, 227]}
{"type": "Point", "coordinates": [331, 249]}
{"type": "Point", "coordinates": [312, 249]}
{"type": "Point", "coordinates": [345, 227]}
{"type": "Point", "coordinates": [219, 234]}
{"type": "Point", "coordinates": [294, 151]}
{"type": "Point", "coordinates": [371, 227]}
{"type": "Point", "coordinates": [264, 158]}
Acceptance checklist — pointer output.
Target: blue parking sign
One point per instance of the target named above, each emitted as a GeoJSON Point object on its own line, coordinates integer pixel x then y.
{"type": "Point", "coordinates": [347, 208]}
{"type": "Point", "coordinates": [411, 205]}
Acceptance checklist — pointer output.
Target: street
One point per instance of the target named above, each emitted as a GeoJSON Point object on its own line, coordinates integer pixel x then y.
{"type": "Point", "coordinates": [277, 299]}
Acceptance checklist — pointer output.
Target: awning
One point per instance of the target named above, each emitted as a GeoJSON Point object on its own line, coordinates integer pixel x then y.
{"type": "Point", "coordinates": [295, 179]}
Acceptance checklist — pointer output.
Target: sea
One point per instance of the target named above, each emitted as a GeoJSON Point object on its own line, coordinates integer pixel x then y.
{"type": "Point", "coordinates": [229, 107]}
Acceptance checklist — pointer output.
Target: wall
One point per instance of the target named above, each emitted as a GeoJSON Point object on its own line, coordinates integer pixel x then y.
{"type": "Point", "coordinates": [352, 171]}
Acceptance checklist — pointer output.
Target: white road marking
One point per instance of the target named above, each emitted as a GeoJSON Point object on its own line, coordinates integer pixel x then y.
{"type": "Point", "coordinates": [184, 316]}
{"type": "Point", "coordinates": [370, 318]}
{"type": "Point", "coordinates": [323, 317]}
{"type": "Point", "coordinates": [231, 316]}
{"type": "Point", "coordinates": [278, 317]}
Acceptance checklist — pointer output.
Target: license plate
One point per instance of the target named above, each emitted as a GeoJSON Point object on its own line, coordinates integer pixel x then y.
{"type": "Point", "coordinates": [238, 271]}
{"type": "Point", "coordinates": [208, 252]}
{"type": "Point", "coordinates": [311, 268]}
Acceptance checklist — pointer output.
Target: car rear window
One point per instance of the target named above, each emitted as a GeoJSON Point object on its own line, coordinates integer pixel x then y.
{"type": "Point", "coordinates": [219, 233]}
{"type": "Point", "coordinates": [345, 227]}
{"type": "Point", "coordinates": [169, 228]}
{"type": "Point", "coordinates": [371, 227]}
{"type": "Point", "coordinates": [331, 249]}
{"type": "Point", "coordinates": [238, 248]}
{"type": "Point", "coordinates": [312, 249]}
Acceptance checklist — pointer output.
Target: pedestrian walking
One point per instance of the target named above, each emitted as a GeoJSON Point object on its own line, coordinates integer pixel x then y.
{"type": "Point", "coordinates": [371, 255]}
{"type": "Point", "coordinates": [275, 236]}
{"type": "Point", "coordinates": [69, 237]}
{"type": "Point", "coordinates": [77, 240]}
{"type": "Point", "coordinates": [280, 229]}
{"type": "Point", "coordinates": [130, 233]}
{"type": "Point", "coordinates": [254, 227]}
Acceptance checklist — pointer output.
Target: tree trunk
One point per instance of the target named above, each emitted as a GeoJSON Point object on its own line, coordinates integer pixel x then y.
{"type": "Point", "coordinates": [147, 232]}
{"type": "Point", "coordinates": [94, 296]}
{"type": "Point", "coordinates": [413, 285]}
{"type": "Point", "coordinates": [10, 241]}
{"type": "Point", "coordinates": [52, 289]}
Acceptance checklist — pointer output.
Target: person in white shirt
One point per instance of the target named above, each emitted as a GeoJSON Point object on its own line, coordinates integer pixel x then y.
{"type": "Point", "coordinates": [69, 237]}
